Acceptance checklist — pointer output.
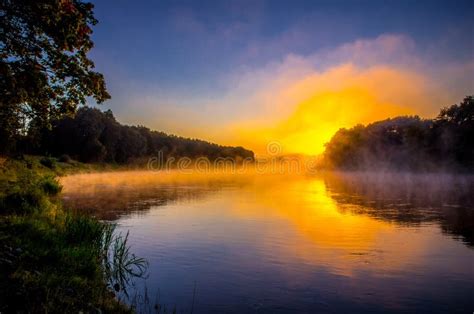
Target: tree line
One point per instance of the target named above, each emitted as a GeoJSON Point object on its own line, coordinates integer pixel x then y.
{"type": "Point", "coordinates": [92, 135]}
{"type": "Point", "coordinates": [45, 72]}
{"type": "Point", "coordinates": [408, 143]}
{"type": "Point", "coordinates": [46, 76]}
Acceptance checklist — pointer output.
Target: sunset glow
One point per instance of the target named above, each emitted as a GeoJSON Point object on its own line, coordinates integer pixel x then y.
{"type": "Point", "coordinates": [341, 97]}
{"type": "Point", "coordinates": [237, 156]}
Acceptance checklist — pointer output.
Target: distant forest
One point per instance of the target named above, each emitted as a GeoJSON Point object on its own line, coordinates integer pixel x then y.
{"type": "Point", "coordinates": [408, 143]}
{"type": "Point", "coordinates": [92, 135]}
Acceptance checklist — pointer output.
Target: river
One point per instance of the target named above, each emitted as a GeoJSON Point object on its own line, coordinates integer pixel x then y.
{"type": "Point", "coordinates": [331, 242]}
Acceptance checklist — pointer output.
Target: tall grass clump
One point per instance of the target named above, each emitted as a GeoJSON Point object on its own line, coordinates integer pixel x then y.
{"type": "Point", "coordinates": [121, 266]}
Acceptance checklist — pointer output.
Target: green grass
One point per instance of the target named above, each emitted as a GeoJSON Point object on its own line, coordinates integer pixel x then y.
{"type": "Point", "coordinates": [10, 168]}
{"type": "Point", "coordinates": [50, 259]}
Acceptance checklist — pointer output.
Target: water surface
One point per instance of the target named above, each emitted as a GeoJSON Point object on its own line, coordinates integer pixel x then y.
{"type": "Point", "coordinates": [330, 243]}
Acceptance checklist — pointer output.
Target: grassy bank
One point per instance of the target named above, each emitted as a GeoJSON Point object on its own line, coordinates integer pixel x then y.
{"type": "Point", "coordinates": [52, 260]}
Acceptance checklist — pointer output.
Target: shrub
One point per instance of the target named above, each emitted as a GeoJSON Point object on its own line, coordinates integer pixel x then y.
{"type": "Point", "coordinates": [28, 193]}
{"type": "Point", "coordinates": [50, 185]}
{"type": "Point", "coordinates": [23, 201]}
{"type": "Point", "coordinates": [65, 158]}
{"type": "Point", "coordinates": [48, 162]}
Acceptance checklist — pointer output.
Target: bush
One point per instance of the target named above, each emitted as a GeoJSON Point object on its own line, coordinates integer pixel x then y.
{"type": "Point", "coordinates": [48, 162]}
{"type": "Point", "coordinates": [65, 158]}
{"type": "Point", "coordinates": [23, 201]}
{"type": "Point", "coordinates": [50, 185]}
{"type": "Point", "coordinates": [28, 193]}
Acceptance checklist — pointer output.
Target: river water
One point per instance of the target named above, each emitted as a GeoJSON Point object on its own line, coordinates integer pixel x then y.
{"type": "Point", "coordinates": [331, 243]}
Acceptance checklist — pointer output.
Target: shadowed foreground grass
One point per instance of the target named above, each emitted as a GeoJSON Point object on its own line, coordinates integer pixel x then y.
{"type": "Point", "coordinates": [50, 259]}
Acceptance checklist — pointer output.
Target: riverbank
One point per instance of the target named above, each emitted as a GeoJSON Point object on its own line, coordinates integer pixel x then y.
{"type": "Point", "coordinates": [50, 259]}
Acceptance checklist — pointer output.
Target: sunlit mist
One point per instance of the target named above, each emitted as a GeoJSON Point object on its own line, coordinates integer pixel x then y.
{"type": "Point", "coordinates": [321, 103]}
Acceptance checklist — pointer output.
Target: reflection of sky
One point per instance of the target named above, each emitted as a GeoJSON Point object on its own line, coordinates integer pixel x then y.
{"type": "Point", "coordinates": [272, 242]}
{"type": "Point", "coordinates": [195, 68]}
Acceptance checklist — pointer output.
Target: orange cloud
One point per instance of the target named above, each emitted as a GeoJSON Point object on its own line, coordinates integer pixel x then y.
{"type": "Point", "coordinates": [342, 96]}
{"type": "Point", "coordinates": [301, 101]}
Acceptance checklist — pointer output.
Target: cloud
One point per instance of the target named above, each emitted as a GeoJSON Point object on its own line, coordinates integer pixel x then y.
{"type": "Point", "coordinates": [322, 102]}
{"type": "Point", "coordinates": [301, 100]}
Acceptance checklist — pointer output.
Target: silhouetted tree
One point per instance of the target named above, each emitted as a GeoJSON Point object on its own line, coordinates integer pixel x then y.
{"type": "Point", "coordinates": [408, 143]}
{"type": "Point", "coordinates": [454, 127]}
{"type": "Point", "coordinates": [45, 72]}
{"type": "Point", "coordinates": [95, 136]}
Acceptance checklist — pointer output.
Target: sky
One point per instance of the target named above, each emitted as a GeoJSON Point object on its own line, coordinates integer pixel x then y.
{"type": "Point", "coordinates": [251, 73]}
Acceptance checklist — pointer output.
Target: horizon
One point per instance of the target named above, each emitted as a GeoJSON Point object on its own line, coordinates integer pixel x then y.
{"type": "Point", "coordinates": [249, 73]}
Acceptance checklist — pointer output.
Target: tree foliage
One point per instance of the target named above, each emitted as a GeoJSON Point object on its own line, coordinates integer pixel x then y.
{"type": "Point", "coordinates": [45, 71]}
{"type": "Point", "coordinates": [408, 143]}
{"type": "Point", "coordinates": [95, 136]}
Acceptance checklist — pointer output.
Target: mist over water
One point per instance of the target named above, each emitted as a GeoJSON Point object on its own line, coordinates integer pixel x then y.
{"type": "Point", "coordinates": [409, 199]}
{"type": "Point", "coordinates": [331, 242]}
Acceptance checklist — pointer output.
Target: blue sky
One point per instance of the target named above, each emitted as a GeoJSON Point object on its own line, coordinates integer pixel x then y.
{"type": "Point", "coordinates": [164, 59]}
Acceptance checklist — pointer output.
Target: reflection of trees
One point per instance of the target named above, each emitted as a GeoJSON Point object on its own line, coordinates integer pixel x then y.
{"type": "Point", "coordinates": [109, 196]}
{"type": "Point", "coordinates": [112, 202]}
{"type": "Point", "coordinates": [409, 199]}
